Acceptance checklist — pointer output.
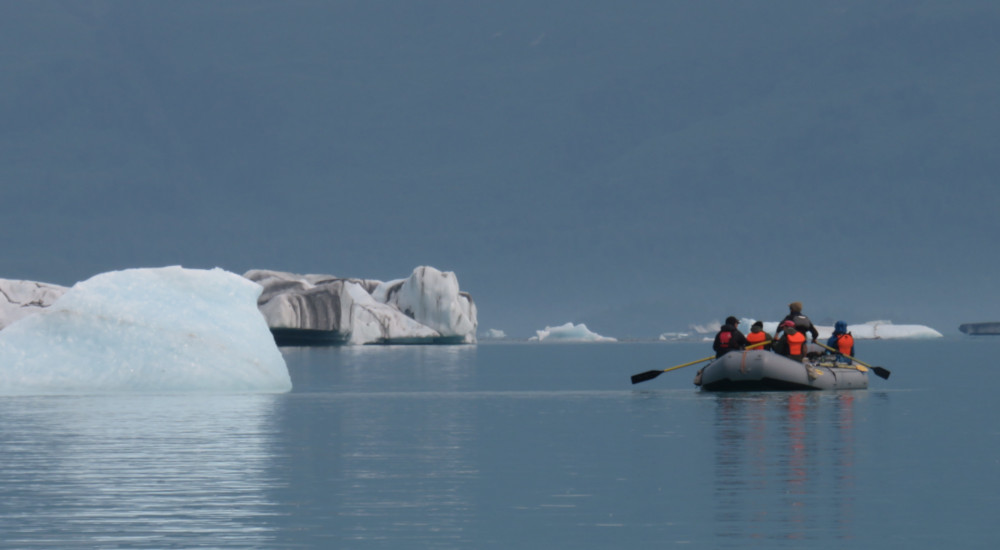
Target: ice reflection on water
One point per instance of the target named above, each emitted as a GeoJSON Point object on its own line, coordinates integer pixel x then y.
{"type": "Point", "coordinates": [114, 471]}
{"type": "Point", "coordinates": [507, 446]}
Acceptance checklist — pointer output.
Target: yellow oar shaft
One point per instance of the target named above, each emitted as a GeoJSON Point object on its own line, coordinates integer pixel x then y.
{"type": "Point", "coordinates": [702, 360]}
{"type": "Point", "coordinates": [651, 374]}
{"type": "Point", "coordinates": [845, 355]}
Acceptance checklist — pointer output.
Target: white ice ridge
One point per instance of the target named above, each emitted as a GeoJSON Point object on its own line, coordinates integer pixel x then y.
{"type": "Point", "coordinates": [154, 330]}
{"type": "Point", "coordinates": [569, 333]}
{"type": "Point", "coordinates": [426, 307]}
{"type": "Point", "coordinates": [871, 330]}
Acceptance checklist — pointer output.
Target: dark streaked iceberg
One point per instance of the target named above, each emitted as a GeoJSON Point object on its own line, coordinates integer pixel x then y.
{"type": "Point", "coordinates": [19, 299]}
{"type": "Point", "coordinates": [427, 307]}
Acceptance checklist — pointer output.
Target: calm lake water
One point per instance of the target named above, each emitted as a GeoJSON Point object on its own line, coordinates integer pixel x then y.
{"type": "Point", "coordinates": [517, 446]}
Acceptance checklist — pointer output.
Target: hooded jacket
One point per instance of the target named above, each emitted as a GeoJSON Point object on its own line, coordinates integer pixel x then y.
{"type": "Point", "coordinates": [841, 336]}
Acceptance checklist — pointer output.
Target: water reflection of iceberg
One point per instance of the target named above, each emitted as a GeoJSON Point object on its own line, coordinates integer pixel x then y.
{"type": "Point", "coordinates": [784, 465]}
{"type": "Point", "coordinates": [120, 470]}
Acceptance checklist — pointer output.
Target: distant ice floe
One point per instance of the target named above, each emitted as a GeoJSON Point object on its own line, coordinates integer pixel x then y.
{"type": "Point", "coordinates": [885, 330]}
{"type": "Point", "coordinates": [145, 330]}
{"type": "Point", "coordinates": [426, 307]}
{"type": "Point", "coordinates": [495, 334]}
{"type": "Point", "coordinates": [569, 333]}
{"type": "Point", "coordinates": [871, 330]}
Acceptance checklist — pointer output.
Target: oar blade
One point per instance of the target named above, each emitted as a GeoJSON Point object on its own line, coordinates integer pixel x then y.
{"type": "Point", "coordinates": [644, 376]}
{"type": "Point", "coordinates": [881, 373]}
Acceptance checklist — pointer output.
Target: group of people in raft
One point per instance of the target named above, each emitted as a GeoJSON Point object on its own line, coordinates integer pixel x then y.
{"type": "Point", "coordinates": [790, 340]}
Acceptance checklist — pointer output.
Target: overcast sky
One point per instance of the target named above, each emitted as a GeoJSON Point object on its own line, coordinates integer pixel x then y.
{"type": "Point", "coordinates": [635, 166]}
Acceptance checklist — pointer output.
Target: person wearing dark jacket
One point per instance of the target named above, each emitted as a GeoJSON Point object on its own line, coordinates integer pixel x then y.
{"type": "Point", "coordinates": [801, 322]}
{"type": "Point", "coordinates": [729, 338]}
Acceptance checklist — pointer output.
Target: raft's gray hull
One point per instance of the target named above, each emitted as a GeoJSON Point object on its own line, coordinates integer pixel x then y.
{"type": "Point", "coordinates": [764, 370]}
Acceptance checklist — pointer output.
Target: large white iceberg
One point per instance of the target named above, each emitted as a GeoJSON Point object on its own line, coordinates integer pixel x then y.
{"type": "Point", "coordinates": [145, 330]}
{"type": "Point", "coordinates": [426, 307]}
{"type": "Point", "coordinates": [569, 333]}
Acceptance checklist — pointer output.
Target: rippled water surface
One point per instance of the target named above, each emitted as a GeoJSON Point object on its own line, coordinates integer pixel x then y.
{"type": "Point", "coordinates": [516, 446]}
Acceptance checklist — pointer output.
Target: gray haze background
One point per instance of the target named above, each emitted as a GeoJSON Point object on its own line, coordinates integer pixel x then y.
{"type": "Point", "coordinates": [637, 166]}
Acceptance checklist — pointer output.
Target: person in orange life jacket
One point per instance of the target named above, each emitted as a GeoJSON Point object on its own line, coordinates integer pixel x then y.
{"type": "Point", "coordinates": [791, 344]}
{"type": "Point", "coordinates": [757, 335]}
{"type": "Point", "coordinates": [842, 341]}
{"type": "Point", "coordinates": [802, 323]}
{"type": "Point", "coordinates": [729, 338]}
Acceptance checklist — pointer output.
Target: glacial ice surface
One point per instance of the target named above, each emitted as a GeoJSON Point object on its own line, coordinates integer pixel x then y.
{"type": "Point", "coordinates": [19, 299]}
{"type": "Point", "coordinates": [426, 307]}
{"type": "Point", "coordinates": [147, 330]}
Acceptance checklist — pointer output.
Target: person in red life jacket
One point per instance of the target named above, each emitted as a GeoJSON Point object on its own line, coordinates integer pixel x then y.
{"type": "Point", "coordinates": [729, 338]}
{"type": "Point", "coordinates": [842, 341]}
{"type": "Point", "coordinates": [801, 322]}
{"type": "Point", "coordinates": [791, 344]}
{"type": "Point", "coordinates": [757, 336]}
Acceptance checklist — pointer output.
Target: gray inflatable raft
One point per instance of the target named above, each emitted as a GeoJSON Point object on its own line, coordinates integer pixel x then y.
{"type": "Point", "coordinates": [758, 370]}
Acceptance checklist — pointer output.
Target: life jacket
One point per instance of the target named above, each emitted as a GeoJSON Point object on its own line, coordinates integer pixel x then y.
{"type": "Point", "coordinates": [796, 343]}
{"type": "Point", "coordinates": [756, 338]}
{"type": "Point", "coordinates": [724, 338]}
{"type": "Point", "coordinates": [844, 343]}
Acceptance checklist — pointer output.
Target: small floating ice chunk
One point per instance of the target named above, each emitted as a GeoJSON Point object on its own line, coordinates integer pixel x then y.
{"type": "Point", "coordinates": [569, 333]}
{"type": "Point", "coordinates": [495, 334]}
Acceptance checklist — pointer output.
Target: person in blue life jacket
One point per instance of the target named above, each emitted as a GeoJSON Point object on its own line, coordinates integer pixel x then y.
{"type": "Point", "coordinates": [842, 341]}
{"type": "Point", "coordinates": [729, 338]}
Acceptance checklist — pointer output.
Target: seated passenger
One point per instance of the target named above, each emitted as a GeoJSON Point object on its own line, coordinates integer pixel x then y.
{"type": "Point", "coordinates": [729, 338]}
{"type": "Point", "coordinates": [792, 343]}
{"type": "Point", "coordinates": [842, 341]}
{"type": "Point", "coordinates": [758, 336]}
